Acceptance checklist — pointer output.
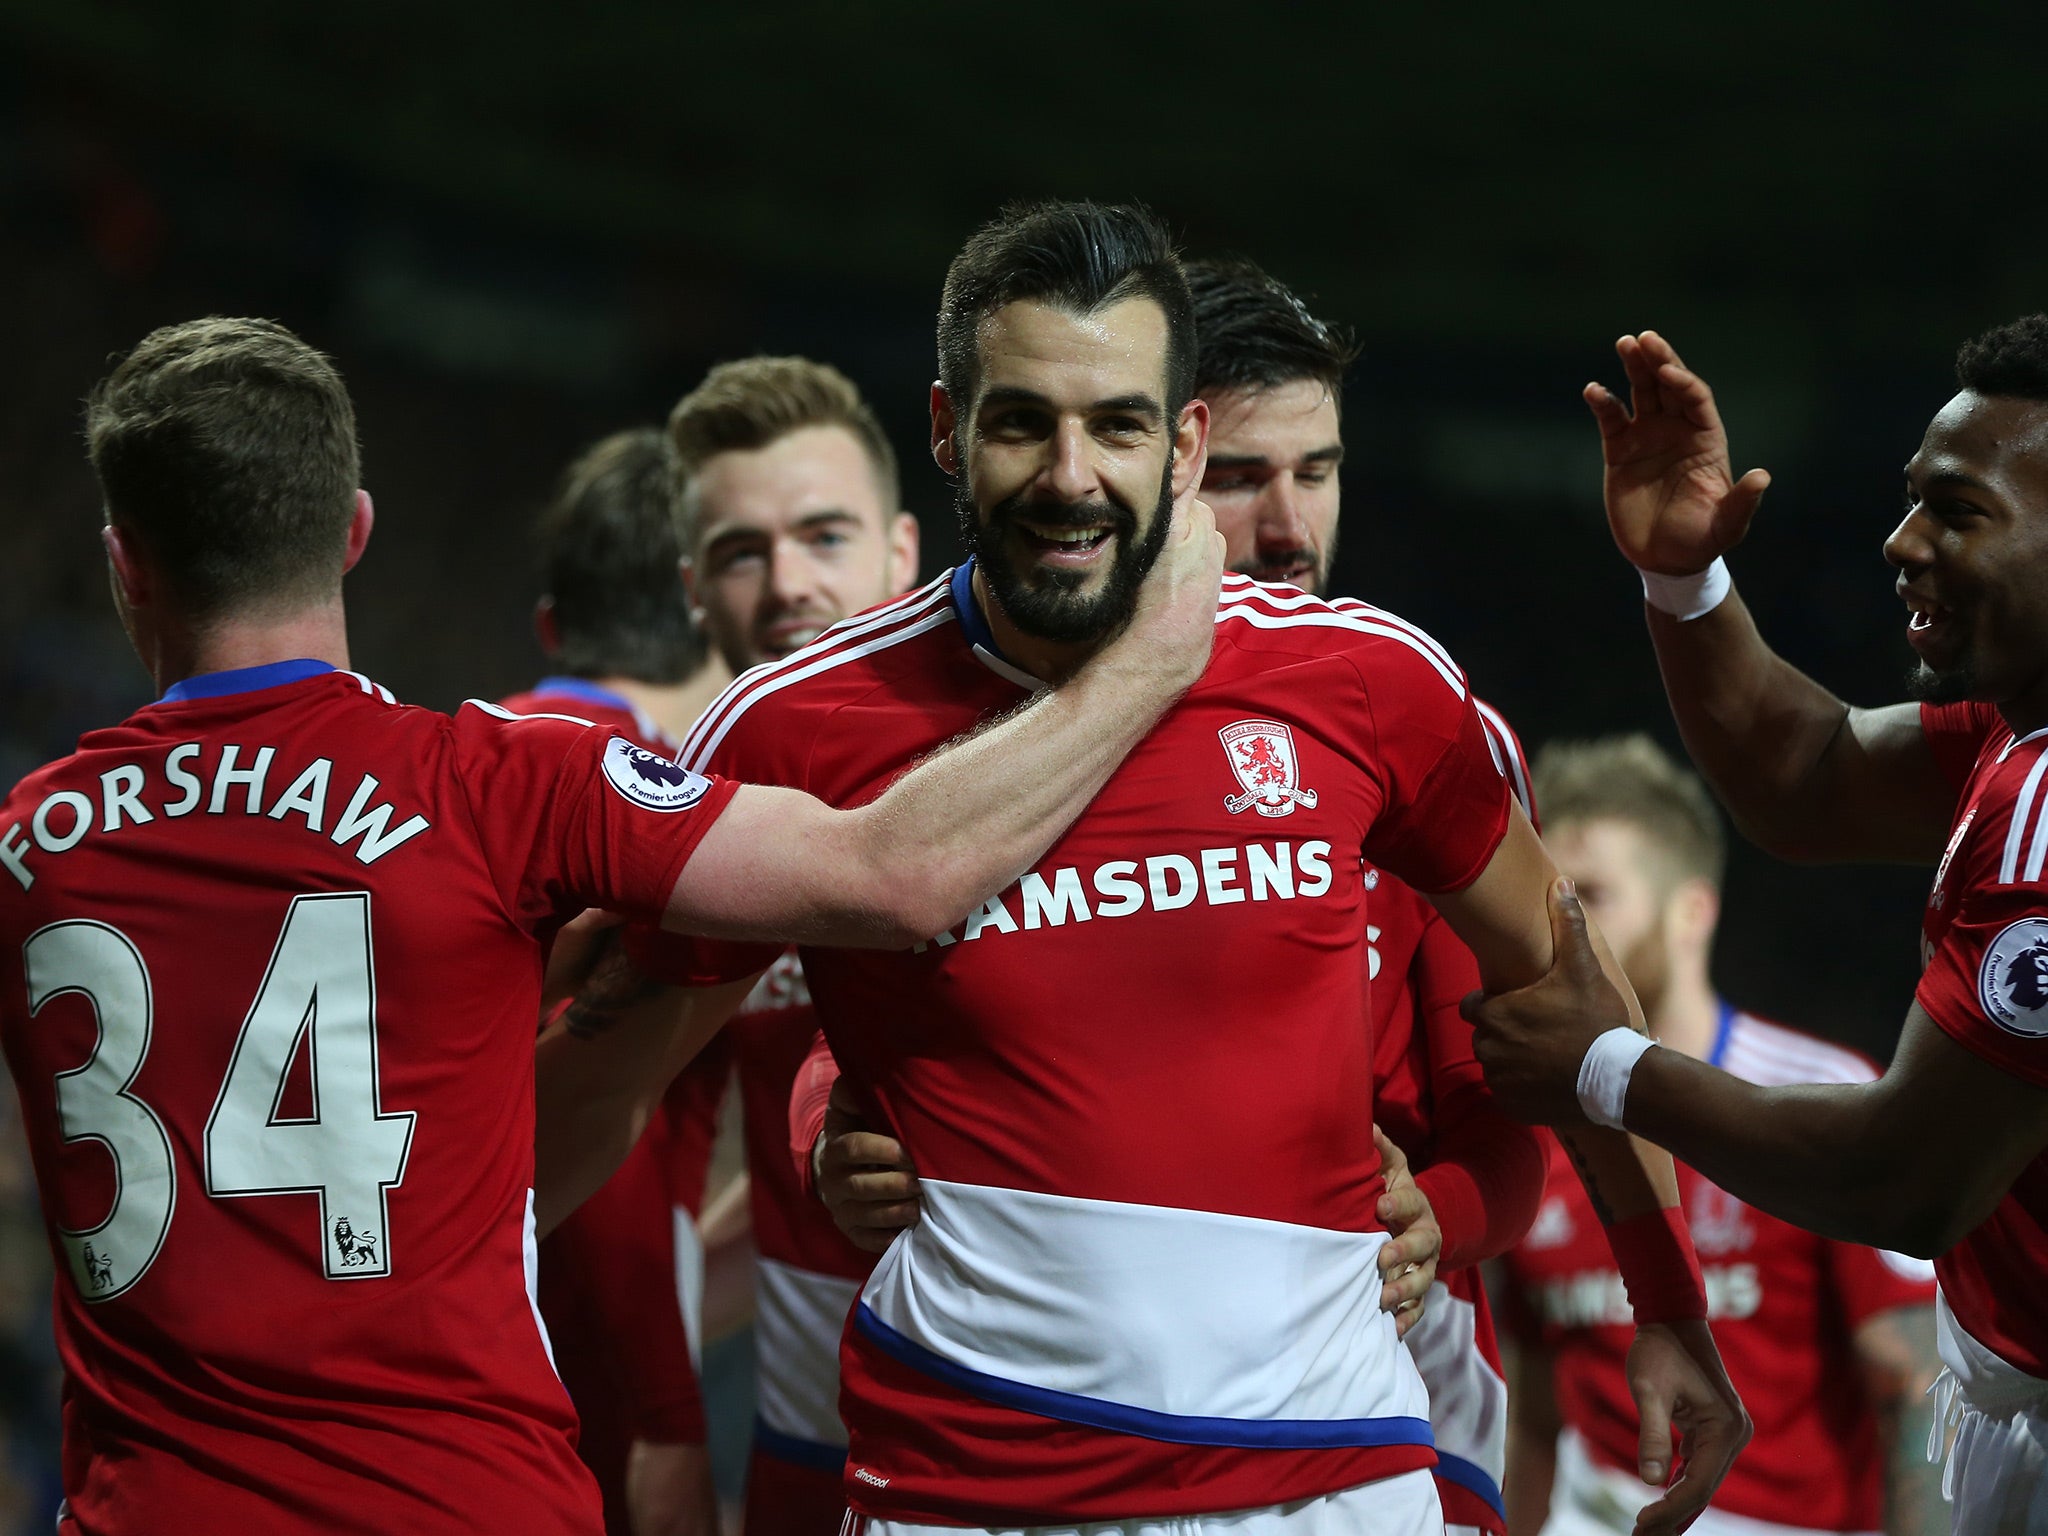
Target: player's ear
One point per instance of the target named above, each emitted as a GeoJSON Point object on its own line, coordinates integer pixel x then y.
{"type": "Point", "coordinates": [360, 523]}
{"type": "Point", "coordinates": [545, 630]}
{"type": "Point", "coordinates": [903, 552]}
{"type": "Point", "coordinates": [1190, 446]}
{"type": "Point", "coordinates": [945, 441]}
{"type": "Point", "coordinates": [1694, 913]}
{"type": "Point", "coordinates": [128, 566]}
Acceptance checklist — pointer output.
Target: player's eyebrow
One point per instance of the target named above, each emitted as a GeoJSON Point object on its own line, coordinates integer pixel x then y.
{"type": "Point", "coordinates": [1138, 404]}
{"type": "Point", "coordinates": [1334, 454]}
{"type": "Point", "coordinates": [825, 516]}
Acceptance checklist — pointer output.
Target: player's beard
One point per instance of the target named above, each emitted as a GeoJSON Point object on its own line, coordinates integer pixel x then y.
{"type": "Point", "coordinates": [1316, 579]}
{"type": "Point", "coordinates": [1942, 685]}
{"type": "Point", "coordinates": [1047, 604]}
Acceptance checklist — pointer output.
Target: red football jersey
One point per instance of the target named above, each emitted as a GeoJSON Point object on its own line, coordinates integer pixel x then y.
{"type": "Point", "coordinates": [608, 1272]}
{"type": "Point", "coordinates": [1784, 1304]}
{"type": "Point", "coordinates": [1985, 939]}
{"type": "Point", "coordinates": [268, 989]}
{"type": "Point", "coordinates": [1426, 1072]}
{"type": "Point", "coordinates": [1188, 960]}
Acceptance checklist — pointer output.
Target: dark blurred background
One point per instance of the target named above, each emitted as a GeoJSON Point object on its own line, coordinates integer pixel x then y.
{"type": "Point", "coordinates": [519, 226]}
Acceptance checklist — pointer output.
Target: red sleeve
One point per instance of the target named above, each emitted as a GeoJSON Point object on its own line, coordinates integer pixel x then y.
{"type": "Point", "coordinates": [808, 1097]}
{"type": "Point", "coordinates": [1986, 985]}
{"type": "Point", "coordinates": [1485, 1177]}
{"type": "Point", "coordinates": [1955, 735]}
{"type": "Point", "coordinates": [1870, 1281]}
{"type": "Point", "coordinates": [571, 815]}
{"type": "Point", "coordinates": [615, 1260]}
{"type": "Point", "coordinates": [1445, 805]}
{"type": "Point", "coordinates": [1513, 761]}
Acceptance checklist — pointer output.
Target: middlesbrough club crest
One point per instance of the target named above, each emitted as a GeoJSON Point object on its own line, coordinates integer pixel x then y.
{"type": "Point", "coordinates": [1261, 754]}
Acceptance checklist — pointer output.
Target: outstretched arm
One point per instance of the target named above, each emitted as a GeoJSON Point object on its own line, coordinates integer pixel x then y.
{"type": "Point", "coordinates": [778, 864]}
{"type": "Point", "coordinates": [1850, 1161]}
{"type": "Point", "coordinates": [1805, 775]}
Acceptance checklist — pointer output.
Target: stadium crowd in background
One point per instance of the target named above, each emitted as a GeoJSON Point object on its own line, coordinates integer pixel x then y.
{"type": "Point", "coordinates": [691, 579]}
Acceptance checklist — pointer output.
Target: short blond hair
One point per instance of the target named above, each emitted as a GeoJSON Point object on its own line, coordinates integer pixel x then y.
{"type": "Point", "coordinates": [756, 401]}
{"type": "Point", "coordinates": [1632, 779]}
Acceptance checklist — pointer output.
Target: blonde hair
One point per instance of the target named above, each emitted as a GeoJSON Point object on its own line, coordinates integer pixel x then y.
{"type": "Point", "coordinates": [1632, 779]}
{"type": "Point", "coordinates": [758, 400]}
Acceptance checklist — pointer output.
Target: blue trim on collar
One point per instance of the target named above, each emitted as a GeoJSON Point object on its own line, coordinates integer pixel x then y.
{"type": "Point", "coordinates": [272, 674]}
{"type": "Point", "coordinates": [1122, 1418]}
{"type": "Point", "coordinates": [973, 622]}
{"type": "Point", "coordinates": [813, 1454]}
{"type": "Point", "coordinates": [1722, 1032]}
{"type": "Point", "coordinates": [584, 689]}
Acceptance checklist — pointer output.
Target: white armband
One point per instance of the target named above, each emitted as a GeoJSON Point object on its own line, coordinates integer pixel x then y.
{"type": "Point", "coordinates": [1687, 597]}
{"type": "Point", "coordinates": [1604, 1074]}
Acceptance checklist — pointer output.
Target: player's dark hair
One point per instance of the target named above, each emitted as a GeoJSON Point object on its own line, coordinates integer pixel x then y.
{"type": "Point", "coordinates": [1254, 332]}
{"type": "Point", "coordinates": [1632, 779]}
{"type": "Point", "coordinates": [1080, 257]}
{"type": "Point", "coordinates": [610, 560]}
{"type": "Point", "coordinates": [227, 447]}
{"type": "Point", "coordinates": [2009, 359]}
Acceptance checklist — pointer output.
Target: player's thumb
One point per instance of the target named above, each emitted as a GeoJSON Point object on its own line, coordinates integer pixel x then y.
{"type": "Point", "coordinates": [1571, 943]}
{"type": "Point", "coordinates": [1739, 506]}
{"type": "Point", "coordinates": [1653, 1442]}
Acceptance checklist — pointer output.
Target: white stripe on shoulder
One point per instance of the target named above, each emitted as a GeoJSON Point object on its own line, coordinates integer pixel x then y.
{"type": "Point", "coordinates": [375, 690]}
{"type": "Point", "coordinates": [512, 714]}
{"type": "Point", "coordinates": [742, 688]}
{"type": "Point", "coordinates": [1772, 1055]}
{"type": "Point", "coordinates": [1352, 604]}
{"type": "Point", "coordinates": [703, 744]}
{"type": "Point", "coordinates": [1500, 733]}
{"type": "Point", "coordinates": [1329, 618]}
{"type": "Point", "coordinates": [2022, 811]}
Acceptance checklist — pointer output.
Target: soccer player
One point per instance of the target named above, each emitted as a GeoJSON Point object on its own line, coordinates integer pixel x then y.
{"type": "Point", "coordinates": [1060, 1064]}
{"type": "Point", "coordinates": [1831, 1344]}
{"type": "Point", "coordinates": [1942, 1156]}
{"type": "Point", "coordinates": [794, 522]}
{"type": "Point", "coordinates": [270, 964]}
{"type": "Point", "coordinates": [616, 624]}
{"type": "Point", "coordinates": [1272, 376]}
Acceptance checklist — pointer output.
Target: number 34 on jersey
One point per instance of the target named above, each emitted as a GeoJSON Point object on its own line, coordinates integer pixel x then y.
{"type": "Point", "coordinates": [318, 992]}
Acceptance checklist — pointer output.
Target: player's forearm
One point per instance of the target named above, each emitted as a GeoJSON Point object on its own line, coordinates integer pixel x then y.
{"type": "Point", "coordinates": [1819, 1156]}
{"type": "Point", "coordinates": [1484, 1183]}
{"type": "Point", "coordinates": [598, 1075]}
{"type": "Point", "coordinates": [1759, 728]}
{"type": "Point", "coordinates": [965, 823]}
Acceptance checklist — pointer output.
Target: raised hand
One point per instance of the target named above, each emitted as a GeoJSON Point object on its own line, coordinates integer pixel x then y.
{"type": "Point", "coordinates": [1673, 502]}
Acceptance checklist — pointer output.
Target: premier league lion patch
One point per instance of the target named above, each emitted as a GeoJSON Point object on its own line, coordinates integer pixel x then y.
{"type": "Point", "coordinates": [650, 780]}
{"type": "Point", "coordinates": [2013, 982]}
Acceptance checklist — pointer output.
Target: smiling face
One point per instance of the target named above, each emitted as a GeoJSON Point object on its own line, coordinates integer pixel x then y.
{"type": "Point", "coordinates": [1972, 556]}
{"type": "Point", "coordinates": [1068, 462]}
{"type": "Point", "coordinates": [791, 538]}
{"type": "Point", "coordinates": [1272, 480]}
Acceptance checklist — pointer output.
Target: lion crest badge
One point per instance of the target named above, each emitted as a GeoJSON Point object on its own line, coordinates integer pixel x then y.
{"type": "Point", "coordinates": [2012, 983]}
{"type": "Point", "coordinates": [1262, 755]}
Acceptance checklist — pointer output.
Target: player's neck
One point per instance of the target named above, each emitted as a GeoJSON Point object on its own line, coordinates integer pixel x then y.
{"type": "Point", "coordinates": [675, 707]}
{"type": "Point", "coordinates": [1688, 1015]}
{"type": "Point", "coordinates": [174, 651]}
{"type": "Point", "coordinates": [1051, 661]}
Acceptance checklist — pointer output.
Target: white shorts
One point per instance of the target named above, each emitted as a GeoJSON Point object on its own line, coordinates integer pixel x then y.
{"type": "Point", "coordinates": [1997, 1474]}
{"type": "Point", "coordinates": [1404, 1505]}
{"type": "Point", "coordinates": [1591, 1498]}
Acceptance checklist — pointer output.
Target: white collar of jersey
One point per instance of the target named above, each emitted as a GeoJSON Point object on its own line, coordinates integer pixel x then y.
{"type": "Point", "coordinates": [2020, 741]}
{"type": "Point", "coordinates": [982, 639]}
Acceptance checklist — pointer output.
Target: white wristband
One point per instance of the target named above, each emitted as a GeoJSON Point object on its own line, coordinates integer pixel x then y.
{"type": "Point", "coordinates": [1604, 1074]}
{"type": "Point", "coordinates": [1687, 597]}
